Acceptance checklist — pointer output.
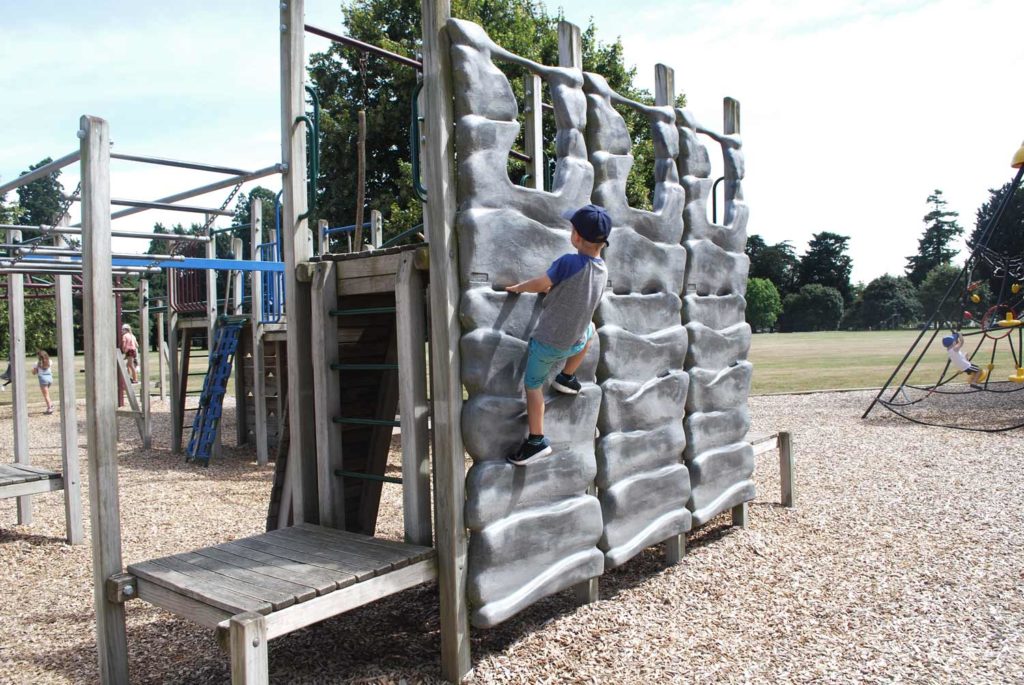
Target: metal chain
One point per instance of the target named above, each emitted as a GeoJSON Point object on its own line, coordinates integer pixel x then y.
{"type": "Point", "coordinates": [363, 59]}
{"type": "Point", "coordinates": [68, 201]}
{"type": "Point", "coordinates": [213, 217]}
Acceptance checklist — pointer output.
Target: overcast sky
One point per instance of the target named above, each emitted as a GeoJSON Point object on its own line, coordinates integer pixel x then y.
{"type": "Point", "coordinates": [853, 111]}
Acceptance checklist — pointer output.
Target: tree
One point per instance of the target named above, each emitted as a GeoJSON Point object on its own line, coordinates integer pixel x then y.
{"type": "Point", "coordinates": [826, 263]}
{"type": "Point", "coordinates": [763, 304]}
{"type": "Point", "coordinates": [40, 201]}
{"type": "Point", "coordinates": [777, 263]}
{"type": "Point", "coordinates": [348, 81]}
{"type": "Point", "coordinates": [814, 308]}
{"type": "Point", "coordinates": [933, 248]}
{"type": "Point", "coordinates": [888, 302]}
{"type": "Point", "coordinates": [950, 314]}
{"type": "Point", "coordinates": [243, 215]}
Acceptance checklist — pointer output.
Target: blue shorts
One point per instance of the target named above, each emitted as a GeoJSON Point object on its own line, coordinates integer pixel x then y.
{"type": "Point", "coordinates": [541, 358]}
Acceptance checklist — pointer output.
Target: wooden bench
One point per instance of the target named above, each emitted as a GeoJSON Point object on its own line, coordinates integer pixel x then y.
{"type": "Point", "coordinates": [258, 588]}
{"type": "Point", "coordinates": [17, 480]}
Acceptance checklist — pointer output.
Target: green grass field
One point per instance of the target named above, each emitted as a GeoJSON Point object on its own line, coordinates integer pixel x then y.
{"type": "Point", "coordinates": [789, 362]}
{"type": "Point", "coordinates": [783, 362]}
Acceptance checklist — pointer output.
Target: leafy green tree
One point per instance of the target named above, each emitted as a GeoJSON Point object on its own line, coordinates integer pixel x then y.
{"type": "Point", "coordinates": [243, 215]}
{"type": "Point", "coordinates": [950, 313]}
{"type": "Point", "coordinates": [888, 302]}
{"type": "Point", "coordinates": [777, 263]}
{"type": "Point", "coordinates": [827, 263]}
{"type": "Point", "coordinates": [41, 200]}
{"type": "Point", "coordinates": [933, 248]}
{"type": "Point", "coordinates": [347, 82]}
{"type": "Point", "coordinates": [763, 304]}
{"type": "Point", "coordinates": [814, 308]}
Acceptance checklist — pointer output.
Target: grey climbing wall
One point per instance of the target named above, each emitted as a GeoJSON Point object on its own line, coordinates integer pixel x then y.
{"type": "Point", "coordinates": [720, 461]}
{"type": "Point", "coordinates": [643, 484]}
{"type": "Point", "coordinates": [535, 530]}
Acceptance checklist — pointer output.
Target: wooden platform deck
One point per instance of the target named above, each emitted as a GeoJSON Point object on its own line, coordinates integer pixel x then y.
{"type": "Point", "coordinates": [20, 479]}
{"type": "Point", "coordinates": [294, 577]}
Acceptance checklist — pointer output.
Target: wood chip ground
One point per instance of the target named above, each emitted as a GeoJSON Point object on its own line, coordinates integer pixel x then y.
{"type": "Point", "coordinates": [902, 562]}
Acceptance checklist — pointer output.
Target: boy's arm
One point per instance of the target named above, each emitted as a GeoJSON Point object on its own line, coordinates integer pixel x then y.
{"type": "Point", "coordinates": [540, 284]}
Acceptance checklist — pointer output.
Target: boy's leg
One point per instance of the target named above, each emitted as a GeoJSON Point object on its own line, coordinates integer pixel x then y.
{"type": "Point", "coordinates": [535, 410]}
{"type": "Point", "coordinates": [573, 362]}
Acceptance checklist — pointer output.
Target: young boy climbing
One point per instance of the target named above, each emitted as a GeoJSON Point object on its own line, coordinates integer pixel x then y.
{"type": "Point", "coordinates": [957, 358]}
{"type": "Point", "coordinates": [574, 284]}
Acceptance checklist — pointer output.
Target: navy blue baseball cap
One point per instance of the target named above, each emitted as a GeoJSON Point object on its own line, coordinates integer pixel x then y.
{"type": "Point", "coordinates": [591, 222]}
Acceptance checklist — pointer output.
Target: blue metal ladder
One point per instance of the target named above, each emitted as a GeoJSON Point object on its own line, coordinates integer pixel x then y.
{"type": "Point", "coordinates": [211, 402]}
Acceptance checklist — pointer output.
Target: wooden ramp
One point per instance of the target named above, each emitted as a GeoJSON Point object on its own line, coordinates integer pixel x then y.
{"type": "Point", "coordinates": [17, 480]}
{"type": "Point", "coordinates": [293, 576]}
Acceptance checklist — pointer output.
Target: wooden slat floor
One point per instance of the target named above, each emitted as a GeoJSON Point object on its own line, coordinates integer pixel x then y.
{"type": "Point", "coordinates": [15, 474]}
{"type": "Point", "coordinates": [275, 570]}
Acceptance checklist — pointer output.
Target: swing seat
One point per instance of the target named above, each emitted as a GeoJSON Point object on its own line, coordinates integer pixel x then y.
{"type": "Point", "coordinates": [1017, 377]}
{"type": "Point", "coordinates": [1009, 321]}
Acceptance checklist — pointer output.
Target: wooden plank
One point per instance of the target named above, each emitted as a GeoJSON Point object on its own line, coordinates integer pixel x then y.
{"type": "Point", "coordinates": [21, 473]}
{"type": "Point", "coordinates": [173, 374]}
{"type": "Point", "coordinates": [348, 551]}
{"type": "Point", "coordinates": [275, 567]}
{"type": "Point", "coordinates": [129, 391]}
{"type": "Point", "coordinates": [302, 615]}
{"type": "Point", "coordinates": [286, 586]}
{"type": "Point", "coordinates": [26, 488]}
{"type": "Point", "coordinates": [411, 551]}
{"type": "Point", "coordinates": [214, 581]}
{"type": "Point", "coordinates": [327, 395]}
{"type": "Point", "coordinates": [166, 575]}
{"type": "Point", "coordinates": [380, 438]}
{"type": "Point", "coordinates": [449, 453]}
{"type": "Point", "coordinates": [180, 605]}
{"type": "Point", "coordinates": [259, 371]}
{"type": "Point", "coordinates": [369, 285]}
{"type": "Point", "coordinates": [249, 658]}
{"type": "Point", "coordinates": [100, 400]}
{"type": "Point", "coordinates": [73, 524]}
{"type": "Point", "coordinates": [143, 354]}
{"type": "Point", "coordinates": [372, 264]}
{"type": "Point", "coordinates": [19, 375]}
{"type": "Point", "coordinates": [358, 569]}
{"type": "Point", "coordinates": [414, 408]}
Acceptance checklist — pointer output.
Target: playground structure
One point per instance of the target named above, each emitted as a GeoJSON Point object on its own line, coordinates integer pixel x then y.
{"type": "Point", "coordinates": [655, 444]}
{"type": "Point", "coordinates": [931, 401]}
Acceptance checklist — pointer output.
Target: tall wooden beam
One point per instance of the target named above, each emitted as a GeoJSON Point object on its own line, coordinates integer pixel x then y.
{"type": "Point", "coordinates": [173, 372]}
{"type": "Point", "coordinates": [298, 248]}
{"type": "Point", "coordinates": [327, 393]}
{"type": "Point", "coordinates": [259, 371]}
{"type": "Point", "coordinates": [143, 356]}
{"type": "Point", "coordinates": [19, 377]}
{"type": "Point", "coordinates": [533, 130]}
{"type": "Point", "coordinates": [68, 421]}
{"type": "Point", "coordinates": [160, 350]}
{"type": "Point", "coordinates": [101, 397]}
{"type": "Point", "coordinates": [449, 453]}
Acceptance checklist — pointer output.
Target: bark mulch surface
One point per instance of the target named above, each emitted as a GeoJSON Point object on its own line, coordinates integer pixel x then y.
{"type": "Point", "coordinates": [901, 562]}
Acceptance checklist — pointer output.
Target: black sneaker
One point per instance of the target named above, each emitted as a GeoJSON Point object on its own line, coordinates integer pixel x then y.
{"type": "Point", "coordinates": [530, 452]}
{"type": "Point", "coordinates": [567, 384]}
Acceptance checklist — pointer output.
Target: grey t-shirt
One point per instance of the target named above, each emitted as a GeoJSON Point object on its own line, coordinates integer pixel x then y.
{"type": "Point", "coordinates": [578, 281]}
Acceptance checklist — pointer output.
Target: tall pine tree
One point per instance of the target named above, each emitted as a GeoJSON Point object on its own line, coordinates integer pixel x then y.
{"type": "Point", "coordinates": [826, 263]}
{"type": "Point", "coordinates": [933, 248]}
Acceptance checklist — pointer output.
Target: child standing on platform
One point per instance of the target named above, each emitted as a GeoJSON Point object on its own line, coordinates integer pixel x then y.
{"type": "Point", "coordinates": [574, 284]}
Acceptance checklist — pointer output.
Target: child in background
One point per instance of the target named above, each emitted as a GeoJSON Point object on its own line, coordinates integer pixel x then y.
{"type": "Point", "coordinates": [574, 284]}
{"type": "Point", "coordinates": [130, 347]}
{"type": "Point", "coordinates": [958, 359]}
{"type": "Point", "coordinates": [44, 373]}
{"type": "Point", "coordinates": [6, 378]}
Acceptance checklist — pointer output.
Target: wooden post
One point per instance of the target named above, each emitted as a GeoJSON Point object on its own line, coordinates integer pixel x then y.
{"type": "Point", "coordinates": [239, 275]}
{"type": "Point", "coordinates": [177, 387]}
{"type": "Point", "coordinates": [533, 131]}
{"type": "Point", "coordinates": [675, 549]}
{"type": "Point", "coordinates": [298, 248]}
{"type": "Point", "coordinates": [101, 397]}
{"type": "Point", "coordinates": [259, 371]}
{"type": "Point", "coordinates": [449, 453]}
{"type": "Point", "coordinates": [787, 467]}
{"type": "Point", "coordinates": [570, 56]}
{"type": "Point", "coordinates": [250, 664]}
{"type": "Point", "coordinates": [19, 376]}
{"type": "Point", "coordinates": [739, 515]}
{"type": "Point", "coordinates": [327, 395]}
{"type": "Point", "coordinates": [68, 420]}
{"type": "Point", "coordinates": [147, 423]}
{"type": "Point", "coordinates": [241, 391]}
{"type": "Point", "coordinates": [211, 293]}
{"type": "Point", "coordinates": [376, 228]}
{"type": "Point", "coordinates": [160, 350]}
{"type": "Point", "coordinates": [410, 313]}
